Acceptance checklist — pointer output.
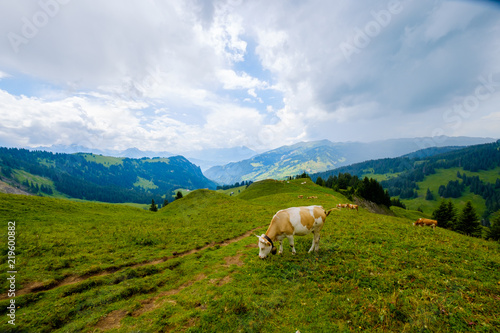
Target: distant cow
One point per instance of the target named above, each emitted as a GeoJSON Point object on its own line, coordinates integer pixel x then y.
{"type": "Point", "coordinates": [300, 196]}
{"type": "Point", "coordinates": [351, 206]}
{"type": "Point", "coordinates": [421, 222]}
{"type": "Point", "coordinates": [292, 221]}
{"type": "Point", "coordinates": [342, 205]}
{"type": "Point", "coordinates": [312, 197]}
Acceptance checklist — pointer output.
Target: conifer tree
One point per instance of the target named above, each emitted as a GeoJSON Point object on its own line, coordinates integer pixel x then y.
{"type": "Point", "coordinates": [178, 195]}
{"type": "Point", "coordinates": [320, 181]}
{"type": "Point", "coordinates": [445, 214]}
{"type": "Point", "coordinates": [153, 206]}
{"type": "Point", "coordinates": [452, 215]}
{"type": "Point", "coordinates": [468, 221]}
{"type": "Point", "coordinates": [494, 232]}
{"type": "Point", "coordinates": [428, 195]}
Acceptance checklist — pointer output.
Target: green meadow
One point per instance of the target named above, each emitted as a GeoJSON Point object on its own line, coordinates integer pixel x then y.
{"type": "Point", "coordinates": [104, 160]}
{"type": "Point", "coordinates": [442, 177]}
{"type": "Point", "coordinates": [193, 267]}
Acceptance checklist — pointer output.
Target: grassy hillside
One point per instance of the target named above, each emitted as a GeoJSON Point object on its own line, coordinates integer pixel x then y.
{"type": "Point", "coordinates": [408, 177]}
{"type": "Point", "coordinates": [99, 178]}
{"type": "Point", "coordinates": [104, 160]}
{"type": "Point", "coordinates": [442, 177]}
{"type": "Point", "coordinates": [193, 266]}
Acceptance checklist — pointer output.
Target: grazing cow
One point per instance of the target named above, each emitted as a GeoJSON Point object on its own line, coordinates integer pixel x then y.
{"type": "Point", "coordinates": [292, 221]}
{"type": "Point", "coordinates": [351, 206]}
{"type": "Point", "coordinates": [421, 222]}
{"type": "Point", "coordinates": [342, 205]}
{"type": "Point", "coordinates": [300, 196]}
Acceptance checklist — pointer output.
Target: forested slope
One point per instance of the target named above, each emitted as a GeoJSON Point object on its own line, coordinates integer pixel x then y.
{"type": "Point", "coordinates": [402, 174]}
{"type": "Point", "coordinates": [94, 177]}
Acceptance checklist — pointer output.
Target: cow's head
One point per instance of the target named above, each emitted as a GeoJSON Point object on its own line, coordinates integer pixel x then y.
{"type": "Point", "coordinates": [265, 246]}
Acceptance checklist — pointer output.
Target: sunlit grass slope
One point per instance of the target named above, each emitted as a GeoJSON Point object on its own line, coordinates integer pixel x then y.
{"type": "Point", "coordinates": [373, 272]}
{"type": "Point", "coordinates": [60, 238]}
{"type": "Point", "coordinates": [442, 177]}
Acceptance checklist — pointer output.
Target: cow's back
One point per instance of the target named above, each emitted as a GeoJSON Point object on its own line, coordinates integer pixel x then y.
{"type": "Point", "coordinates": [305, 220]}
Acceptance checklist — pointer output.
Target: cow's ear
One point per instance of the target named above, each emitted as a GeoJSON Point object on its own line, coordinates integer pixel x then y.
{"type": "Point", "coordinates": [274, 250]}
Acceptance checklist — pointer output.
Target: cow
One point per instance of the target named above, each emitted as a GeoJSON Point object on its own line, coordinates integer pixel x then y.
{"type": "Point", "coordinates": [300, 196]}
{"type": "Point", "coordinates": [351, 206]}
{"type": "Point", "coordinates": [421, 222]}
{"type": "Point", "coordinates": [292, 221]}
{"type": "Point", "coordinates": [312, 197]}
{"type": "Point", "coordinates": [342, 205]}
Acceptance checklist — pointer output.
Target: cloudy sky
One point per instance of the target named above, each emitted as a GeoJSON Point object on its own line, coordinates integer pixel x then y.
{"type": "Point", "coordinates": [186, 75]}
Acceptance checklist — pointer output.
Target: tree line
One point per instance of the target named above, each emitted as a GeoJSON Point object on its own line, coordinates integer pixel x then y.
{"type": "Point", "coordinates": [409, 170]}
{"type": "Point", "coordinates": [237, 184]}
{"type": "Point", "coordinates": [488, 191]}
{"type": "Point", "coordinates": [466, 222]}
{"type": "Point", "coordinates": [349, 185]}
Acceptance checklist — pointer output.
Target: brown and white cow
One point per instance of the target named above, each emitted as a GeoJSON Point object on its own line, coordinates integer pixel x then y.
{"type": "Point", "coordinates": [421, 222]}
{"type": "Point", "coordinates": [351, 206]}
{"type": "Point", "coordinates": [292, 221]}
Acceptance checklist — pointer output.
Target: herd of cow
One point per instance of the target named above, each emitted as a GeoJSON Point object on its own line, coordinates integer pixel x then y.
{"type": "Point", "coordinates": [302, 221]}
{"type": "Point", "coordinates": [350, 206]}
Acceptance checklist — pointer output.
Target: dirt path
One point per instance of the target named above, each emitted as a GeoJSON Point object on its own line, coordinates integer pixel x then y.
{"type": "Point", "coordinates": [35, 287]}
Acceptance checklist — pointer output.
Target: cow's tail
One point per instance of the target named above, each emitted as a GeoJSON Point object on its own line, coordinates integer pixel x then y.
{"type": "Point", "coordinates": [330, 210]}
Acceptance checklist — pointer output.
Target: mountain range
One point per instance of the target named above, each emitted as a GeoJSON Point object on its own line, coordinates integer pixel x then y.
{"type": "Point", "coordinates": [204, 158]}
{"type": "Point", "coordinates": [319, 156]}
{"type": "Point", "coordinates": [100, 178]}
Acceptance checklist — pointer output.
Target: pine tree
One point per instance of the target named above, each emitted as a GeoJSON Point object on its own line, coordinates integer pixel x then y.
{"type": "Point", "coordinates": [165, 202]}
{"type": "Point", "coordinates": [179, 195]}
{"type": "Point", "coordinates": [7, 171]}
{"type": "Point", "coordinates": [428, 195]}
{"type": "Point", "coordinates": [445, 214]}
{"type": "Point", "coordinates": [468, 221]}
{"type": "Point", "coordinates": [452, 215]}
{"type": "Point", "coordinates": [320, 181]}
{"type": "Point", "coordinates": [494, 231]}
{"type": "Point", "coordinates": [153, 207]}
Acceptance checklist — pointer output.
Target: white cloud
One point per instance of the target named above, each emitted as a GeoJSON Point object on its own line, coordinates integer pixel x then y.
{"type": "Point", "coordinates": [231, 80]}
{"type": "Point", "coordinates": [157, 74]}
{"type": "Point", "coordinates": [3, 75]}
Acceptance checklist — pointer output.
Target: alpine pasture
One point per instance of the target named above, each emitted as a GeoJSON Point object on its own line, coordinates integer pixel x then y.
{"type": "Point", "coordinates": [193, 266]}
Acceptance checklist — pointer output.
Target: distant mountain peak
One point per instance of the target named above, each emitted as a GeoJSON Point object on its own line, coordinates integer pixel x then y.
{"type": "Point", "coordinates": [323, 155]}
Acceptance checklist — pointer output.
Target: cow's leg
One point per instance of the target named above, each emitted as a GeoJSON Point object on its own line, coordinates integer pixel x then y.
{"type": "Point", "coordinates": [315, 243]}
{"type": "Point", "coordinates": [280, 239]}
{"type": "Point", "coordinates": [292, 243]}
{"type": "Point", "coordinates": [317, 238]}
